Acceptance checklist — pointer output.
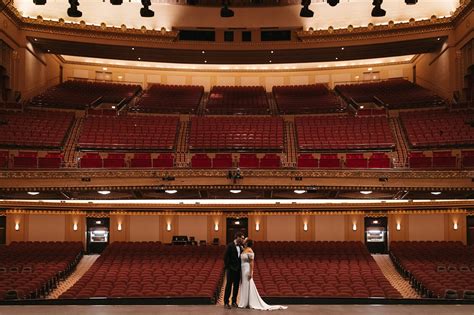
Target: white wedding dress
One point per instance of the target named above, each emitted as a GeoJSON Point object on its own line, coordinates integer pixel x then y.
{"type": "Point", "coordinates": [249, 296]}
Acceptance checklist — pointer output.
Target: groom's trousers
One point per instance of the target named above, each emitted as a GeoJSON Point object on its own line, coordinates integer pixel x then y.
{"type": "Point", "coordinates": [233, 280]}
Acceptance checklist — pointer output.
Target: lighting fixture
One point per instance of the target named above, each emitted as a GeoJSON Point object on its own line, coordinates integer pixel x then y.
{"type": "Point", "coordinates": [73, 11]}
{"type": "Point", "coordinates": [17, 226]}
{"type": "Point", "coordinates": [98, 222]}
{"type": "Point", "coordinates": [216, 226]}
{"type": "Point", "coordinates": [33, 193]}
{"type": "Point", "coordinates": [305, 11]}
{"type": "Point", "coordinates": [455, 226]}
{"type": "Point", "coordinates": [333, 3]}
{"type": "Point", "coordinates": [375, 222]}
{"type": "Point", "coordinates": [237, 222]}
{"type": "Point", "coordinates": [436, 193]}
{"type": "Point", "coordinates": [235, 191]}
{"type": "Point", "coordinates": [225, 11]}
{"type": "Point", "coordinates": [74, 227]}
{"type": "Point", "coordinates": [366, 192]}
{"type": "Point", "coordinates": [145, 11]}
{"type": "Point", "coordinates": [299, 191]}
{"type": "Point", "coordinates": [410, 2]}
{"type": "Point", "coordinates": [116, 2]}
{"type": "Point", "coordinates": [171, 191]}
{"type": "Point", "coordinates": [305, 226]}
{"type": "Point", "coordinates": [104, 192]}
{"type": "Point", "coordinates": [354, 226]}
{"type": "Point", "coordinates": [257, 226]}
{"type": "Point", "coordinates": [377, 11]}
{"type": "Point", "coordinates": [399, 227]}
{"type": "Point", "coordinates": [119, 226]}
{"type": "Point", "coordinates": [168, 226]}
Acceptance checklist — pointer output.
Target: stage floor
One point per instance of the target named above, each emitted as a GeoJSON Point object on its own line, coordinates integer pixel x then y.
{"type": "Point", "coordinates": [219, 310]}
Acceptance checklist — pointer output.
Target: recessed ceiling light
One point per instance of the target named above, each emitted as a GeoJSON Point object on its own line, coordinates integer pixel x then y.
{"type": "Point", "coordinates": [436, 193]}
{"type": "Point", "coordinates": [337, 58]}
{"type": "Point", "coordinates": [139, 58]}
{"type": "Point", "coordinates": [299, 191]}
{"type": "Point", "coordinates": [133, 48]}
{"type": "Point", "coordinates": [205, 61]}
{"type": "Point", "coordinates": [171, 191]}
{"type": "Point", "coordinates": [104, 192]}
{"type": "Point", "coordinates": [271, 52]}
{"type": "Point", "coordinates": [203, 52]}
{"type": "Point", "coordinates": [269, 61]}
{"type": "Point", "coordinates": [342, 48]}
{"type": "Point", "coordinates": [235, 191]}
{"type": "Point", "coordinates": [33, 193]}
{"type": "Point", "coordinates": [366, 192]}
{"type": "Point", "coordinates": [237, 222]}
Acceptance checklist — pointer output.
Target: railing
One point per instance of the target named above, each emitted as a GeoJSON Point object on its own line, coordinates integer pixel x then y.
{"type": "Point", "coordinates": [105, 81]}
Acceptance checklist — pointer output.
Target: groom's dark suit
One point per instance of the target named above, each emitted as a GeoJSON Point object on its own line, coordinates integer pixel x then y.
{"type": "Point", "coordinates": [232, 268]}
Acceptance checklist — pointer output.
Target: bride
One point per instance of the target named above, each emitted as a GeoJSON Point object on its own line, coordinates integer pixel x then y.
{"type": "Point", "coordinates": [249, 297]}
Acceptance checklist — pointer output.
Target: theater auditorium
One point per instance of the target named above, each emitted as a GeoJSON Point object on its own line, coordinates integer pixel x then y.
{"type": "Point", "coordinates": [138, 138]}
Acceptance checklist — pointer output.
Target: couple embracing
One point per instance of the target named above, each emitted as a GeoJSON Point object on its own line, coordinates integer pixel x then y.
{"type": "Point", "coordinates": [239, 266]}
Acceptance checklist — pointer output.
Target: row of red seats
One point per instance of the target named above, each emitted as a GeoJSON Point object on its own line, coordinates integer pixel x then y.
{"type": "Point", "coordinates": [78, 94]}
{"type": "Point", "coordinates": [148, 269]}
{"type": "Point", "coordinates": [303, 99]}
{"type": "Point", "coordinates": [439, 128]}
{"type": "Point", "coordinates": [437, 269]}
{"type": "Point", "coordinates": [129, 132]}
{"type": "Point", "coordinates": [46, 129]}
{"type": "Point", "coordinates": [118, 160]}
{"type": "Point", "coordinates": [161, 98]}
{"type": "Point", "coordinates": [31, 160]}
{"type": "Point", "coordinates": [228, 100]}
{"type": "Point", "coordinates": [353, 160]}
{"type": "Point", "coordinates": [245, 161]}
{"type": "Point", "coordinates": [33, 269]}
{"type": "Point", "coordinates": [319, 269]}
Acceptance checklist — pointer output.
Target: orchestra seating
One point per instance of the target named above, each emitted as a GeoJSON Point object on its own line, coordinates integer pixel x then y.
{"type": "Point", "coordinates": [121, 160]}
{"type": "Point", "coordinates": [306, 99]}
{"type": "Point", "coordinates": [353, 160]}
{"type": "Point", "coordinates": [167, 99]}
{"type": "Point", "coordinates": [437, 269]}
{"type": "Point", "coordinates": [132, 132]}
{"type": "Point", "coordinates": [229, 100]}
{"type": "Point", "coordinates": [439, 128]}
{"type": "Point", "coordinates": [419, 160]}
{"type": "Point", "coordinates": [31, 270]}
{"type": "Point", "coordinates": [236, 133]}
{"type": "Point", "coordinates": [149, 269]}
{"type": "Point", "coordinates": [80, 94]}
{"type": "Point", "coordinates": [393, 94]}
{"type": "Point", "coordinates": [319, 269]}
{"type": "Point", "coordinates": [35, 129]}
{"type": "Point", "coordinates": [343, 133]}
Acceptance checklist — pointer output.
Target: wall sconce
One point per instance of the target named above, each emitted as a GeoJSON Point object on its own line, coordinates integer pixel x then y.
{"type": "Point", "coordinates": [305, 227]}
{"type": "Point", "coordinates": [216, 227]}
{"type": "Point", "coordinates": [168, 226]}
{"type": "Point", "coordinates": [119, 226]}
{"type": "Point", "coordinates": [257, 226]}
{"type": "Point", "coordinates": [17, 226]}
{"type": "Point", "coordinates": [74, 226]}
{"type": "Point", "coordinates": [399, 227]}
{"type": "Point", "coordinates": [455, 226]}
{"type": "Point", "coordinates": [354, 226]}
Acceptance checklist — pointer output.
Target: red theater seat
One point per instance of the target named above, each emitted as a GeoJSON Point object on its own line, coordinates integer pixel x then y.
{"type": "Point", "coordinates": [248, 161]}
{"type": "Point", "coordinates": [270, 161]}
{"type": "Point", "coordinates": [164, 160]}
{"type": "Point", "coordinates": [329, 161]}
{"type": "Point", "coordinates": [201, 161]}
{"type": "Point", "coordinates": [222, 161]}
{"type": "Point", "coordinates": [419, 160]}
{"type": "Point", "coordinates": [307, 161]}
{"type": "Point", "coordinates": [444, 160]}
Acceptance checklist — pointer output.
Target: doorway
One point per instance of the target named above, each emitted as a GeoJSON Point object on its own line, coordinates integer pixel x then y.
{"type": "Point", "coordinates": [234, 225]}
{"type": "Point", "coordinates": [376, 235]}
{"type": "Point", "coordinates": [470, 230]}
{"type": "Point", "coordinates": [97, 234]}
{"type": "Point", "coordinates": [3, 230]}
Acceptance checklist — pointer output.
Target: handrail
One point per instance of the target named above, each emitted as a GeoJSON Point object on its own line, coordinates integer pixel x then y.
{"type": "Point", "coordinates": [105, 81]}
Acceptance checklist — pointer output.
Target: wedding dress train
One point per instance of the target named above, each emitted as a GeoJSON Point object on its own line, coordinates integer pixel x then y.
{"type": "Point", "coordinates": [249, 296]}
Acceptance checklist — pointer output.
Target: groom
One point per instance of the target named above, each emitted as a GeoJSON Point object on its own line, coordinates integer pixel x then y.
{"type": "Point", "coordinates": [232, 269]}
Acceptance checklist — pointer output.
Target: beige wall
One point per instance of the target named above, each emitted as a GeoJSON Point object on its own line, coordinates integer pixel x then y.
{"type": "Point", "coordinates": [144, 228]}
{"type": "Point", "coordinates": [46, 227]}
{"type": "Point", "coordinates": [193, 225]}
{"type": "Point", "coordinates": [329, 228]}
{"type": "Point", "coordinates": [281, 228]}
{"type": "Point", "coordinates": [402, 233]}
{"type": "Point", "coordinates": [426, 227]}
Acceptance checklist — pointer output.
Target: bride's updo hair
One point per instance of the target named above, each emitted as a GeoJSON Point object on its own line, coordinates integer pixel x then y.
{"type": "Point", "coordinates": [249, 243]}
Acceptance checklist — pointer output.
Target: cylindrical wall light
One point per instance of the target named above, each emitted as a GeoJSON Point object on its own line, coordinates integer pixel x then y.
{"type": "Point", "coordinates": [399, 227]}
{"type": "Point", "coordinates": [354, 226]}
{"type": "Point", "coordinates": [17, 226]}
{"type": "Point", "coordinates": [119, 226]}
{"type": "Point", "coordinates": [305, 226]}
{"type": "Point", "coordinates": [168, 226]}
{"type": "Point", "coordinates": [216, 226]}
{"type": "Point", "coordinates": [257, 226]}
{"type": "Point", "coordinates": [455, 225]}
{"type": "Point", "coordinates": [74, 226]}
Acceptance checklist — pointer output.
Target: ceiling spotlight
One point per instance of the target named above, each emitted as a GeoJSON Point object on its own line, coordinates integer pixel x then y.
{"type": "Point", "coordinates": [377, 11]}
{"type": "Point", "coordinates": [333, 3]}
{"type": "Point", "coordinates": [73, 11]}
{"type": "Point", "coordinates": [39, 2]}
{"type": "Point", "coordinates": [305, 11]}
{"type": "Point", "coordinates": [235, 191]}
{"type": "Point", "coordinates": [104, 192]}
{"type": "Point", "coordinates": [366, 192]}
{"type": "Point", "coordinates": [116, 2]}
{"type": "Point", "coordinates": [145, 11]}
{"type": "Point", "coordinates": [299, 191]}
{"type": "Point", "coordinates": [409, 2]}
{"type": "Point", "coordinates": [225, 11]}
{"type": "Point", "coordinates": [171, 191]}
{"type": "Point", "coordinates": [33, 193]}
{"type": "Point", "coordinates": [436, 193]}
